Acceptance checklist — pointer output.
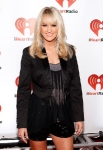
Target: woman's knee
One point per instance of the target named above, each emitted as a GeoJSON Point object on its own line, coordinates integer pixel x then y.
{"type": "Point", "coordinates": [62, 143]}
{"type": "Point", "coordinates": [38, 145]}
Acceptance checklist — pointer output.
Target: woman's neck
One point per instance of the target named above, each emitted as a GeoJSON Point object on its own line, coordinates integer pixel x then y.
{"type": "Point", "coordinates": [49, 45]}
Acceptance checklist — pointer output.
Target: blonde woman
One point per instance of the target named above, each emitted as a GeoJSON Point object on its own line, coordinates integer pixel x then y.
{"type": "Point", "coordinates": [56, 102]}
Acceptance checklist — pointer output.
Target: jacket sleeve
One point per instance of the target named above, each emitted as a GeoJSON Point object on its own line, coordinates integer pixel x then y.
{"type": "Point", "coordinates": [23, 92]}
{"type": "Point", "coordinates": [76, 91]}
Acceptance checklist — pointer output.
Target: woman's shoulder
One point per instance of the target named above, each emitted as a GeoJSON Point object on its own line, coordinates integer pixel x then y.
{"type": "Point", "coordinates": [26, 50]}
{"type": "Point", "coordinates": [71, 47]}
{"type": "Point", "coordinates": [71, 51]}
{"type": "Point", "coordinates": [26, 55]}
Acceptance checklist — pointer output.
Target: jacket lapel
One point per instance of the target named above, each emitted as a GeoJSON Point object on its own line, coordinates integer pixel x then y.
{"type": "Point", "coordinates": [63, 64]}
{"type": "Point", "coordinates": [64, 70]}
{"type": "Point", "coordinates": [45, 62]}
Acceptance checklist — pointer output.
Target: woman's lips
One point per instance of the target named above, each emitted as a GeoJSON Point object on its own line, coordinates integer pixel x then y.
{"type": "Point", "coordinates": [49, 34]}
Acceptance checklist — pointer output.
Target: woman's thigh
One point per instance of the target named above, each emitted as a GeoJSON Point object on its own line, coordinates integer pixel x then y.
{"type": "Point", "coordinates": [38, 145]}
{"type": "Point", "coordinates": [62, 143]}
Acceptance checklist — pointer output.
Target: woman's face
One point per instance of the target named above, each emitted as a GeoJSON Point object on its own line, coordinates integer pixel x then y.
{"type": "Point", "coordinates": [48, 29]}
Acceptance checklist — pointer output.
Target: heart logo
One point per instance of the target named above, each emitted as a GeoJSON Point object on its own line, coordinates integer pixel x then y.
{"type": "Point", "coordinates": [21, 24]}
{"type": "Point", "coordinates": [93, 80]}
{"type": "Point", "coordinates": [96, 25]}
{"type": "Point", "coordinates": [0, 107]}
{"type": "Point", "coordinates": [70, 2]}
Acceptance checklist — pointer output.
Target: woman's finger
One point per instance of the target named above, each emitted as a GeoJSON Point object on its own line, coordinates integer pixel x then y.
{"type": "Point", "coordinates": [23, 135]}
{"type": "Point", "coordinates": [26, 135]}
{"type": "Point", "coordinates": [76, 127]}
{"type": "Point", "coordinates": [24, 139]}
{"type": "Point", "coordinates": [80, 130]}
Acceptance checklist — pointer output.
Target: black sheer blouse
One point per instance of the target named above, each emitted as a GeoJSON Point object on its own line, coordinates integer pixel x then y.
{"type": "Point", "coordinates": [42, 114]}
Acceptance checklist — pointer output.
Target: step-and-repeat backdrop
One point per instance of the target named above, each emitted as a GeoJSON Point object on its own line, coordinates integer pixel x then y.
{"type": "Point", "coordinates": [84, 28]}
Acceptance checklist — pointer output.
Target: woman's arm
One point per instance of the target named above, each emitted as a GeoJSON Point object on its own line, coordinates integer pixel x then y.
{"type": "Point", "coordinates": [76, 97]}
{"type": "Point", "coordinates": [23, 92]}
{"type": "Point", "coordinates": [76, 92]}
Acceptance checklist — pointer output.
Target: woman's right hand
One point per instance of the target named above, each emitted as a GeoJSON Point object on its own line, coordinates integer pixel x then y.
{"type": "Point", "coordinates": [23, 134]}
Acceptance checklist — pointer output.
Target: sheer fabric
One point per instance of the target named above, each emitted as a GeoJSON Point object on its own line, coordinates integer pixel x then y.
{"type": "Point", "coordinates": [58, 95]}
{"type": "Point", "coordinates": [42, 115]}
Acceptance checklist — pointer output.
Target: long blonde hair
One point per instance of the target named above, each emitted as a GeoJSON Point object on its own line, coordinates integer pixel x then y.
{"type": "Point", "coordinates": [63, 49]}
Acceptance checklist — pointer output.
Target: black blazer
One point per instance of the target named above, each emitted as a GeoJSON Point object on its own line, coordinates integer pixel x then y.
{"type": "Point", "coordinates": [37, 71]}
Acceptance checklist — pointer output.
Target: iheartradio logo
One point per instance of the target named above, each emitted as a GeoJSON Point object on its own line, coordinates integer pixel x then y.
{"type": "Point", "coordinates": [17, 81]}
{"type": "Point", "coordinates": [0, 108]}
{"type": "Point", "coordinates": [93, 80]}
{"type": "Point", "coordinates": [69, 2]}
{"type": "Point", "coordinates": [21, 24]}
{"type": "Point", "coordinates": [96, 25]}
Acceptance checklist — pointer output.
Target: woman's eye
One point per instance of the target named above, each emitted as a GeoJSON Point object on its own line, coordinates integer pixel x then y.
{"type": "Point", "coordinates": [53, 25]}
{"type": "Point", "coordinates": [44, 25]}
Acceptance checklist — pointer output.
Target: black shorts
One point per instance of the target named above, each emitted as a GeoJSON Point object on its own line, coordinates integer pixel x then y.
{"type": "Point", "coordinates": [58, 129]}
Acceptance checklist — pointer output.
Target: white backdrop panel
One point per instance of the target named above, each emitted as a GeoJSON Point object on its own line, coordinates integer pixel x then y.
{"type": "Point", "coordinates": [89, 55]}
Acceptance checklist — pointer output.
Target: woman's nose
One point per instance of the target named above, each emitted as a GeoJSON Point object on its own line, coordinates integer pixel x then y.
{"type": "Point", "coordinates": [49, 29]}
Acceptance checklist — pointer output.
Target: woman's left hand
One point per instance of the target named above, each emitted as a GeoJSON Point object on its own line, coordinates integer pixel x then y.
{"type": "Point", "coordinates": [79, 127]}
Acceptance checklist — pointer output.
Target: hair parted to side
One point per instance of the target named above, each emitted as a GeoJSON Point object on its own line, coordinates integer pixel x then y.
{"type": "Point", "coordinates": [63, 49]}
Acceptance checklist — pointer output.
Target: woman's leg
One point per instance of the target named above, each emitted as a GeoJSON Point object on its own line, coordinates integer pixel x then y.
{"type": "Point", "coordinates": [62, 143]}
{"type": "Point", "coordinates": [38, 145]}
